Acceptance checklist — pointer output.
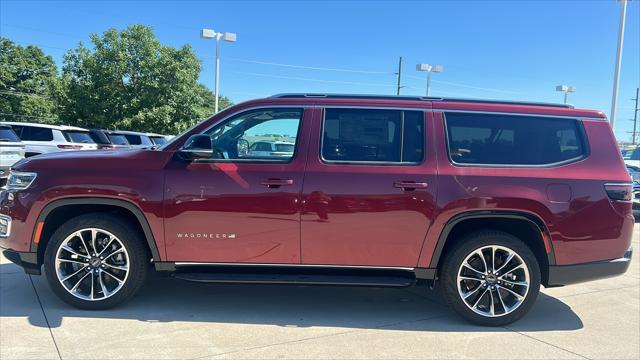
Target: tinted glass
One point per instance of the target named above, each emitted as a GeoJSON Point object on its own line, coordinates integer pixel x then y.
{"type": "Point", "coordinates": [253, 135]}
{"type": "Point", "coordinates": [31, 133]}
{"type": "Point", "coordinates": [158, 140]}
{"type": "Point", "coordinates": [99, 137]}
{"type": "Point", "coordinates": [371, 135]}
{"type": "Point", "coordinates": [118, 139]}
{"type": "Point", "coordinates": [138, 140]}
{"type": "Point", "coordinates": [7, 134]}
{"type": "Point", "coordinates": [78, 137]}
{"type": "Point", "coordinates": [512, 140]}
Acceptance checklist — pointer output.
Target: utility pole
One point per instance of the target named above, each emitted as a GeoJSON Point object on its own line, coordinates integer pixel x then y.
{"type": "Point", "coordinates": [616, 73]}
{"type": "Point", "coordinates": [635, 118]}
{"type": "Point", "coordinates": [399, 73]}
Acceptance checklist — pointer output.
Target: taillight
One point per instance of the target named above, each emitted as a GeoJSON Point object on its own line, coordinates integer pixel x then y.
{"type": "Point", "coordinates": [107, 147]}
{"type": "Point", "coordinates": [75, 147]}
{"type": "Point", "coordinates": [619, 192]}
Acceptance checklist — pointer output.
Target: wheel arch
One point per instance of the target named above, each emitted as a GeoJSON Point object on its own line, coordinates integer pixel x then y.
{"type": "Point", "coordinates": [51, 217]}
{"type": "Point", "coordinates": [535, 234]}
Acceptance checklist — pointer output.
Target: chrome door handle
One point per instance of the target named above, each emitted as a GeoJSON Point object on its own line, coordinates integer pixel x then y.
{"type": "Point", "coordinates": [410, 185]}
{"type": "Point", "coordinates": [276, 183]}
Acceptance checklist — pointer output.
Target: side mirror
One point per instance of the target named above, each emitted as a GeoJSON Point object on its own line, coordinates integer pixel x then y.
{"type": "Point", "coordinates": [243, 147]}
{"type": "Point", "coordinates": [197, 147]}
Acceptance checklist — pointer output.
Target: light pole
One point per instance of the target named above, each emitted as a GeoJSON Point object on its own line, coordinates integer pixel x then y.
{"type": "Point", "coordinates": [566, 89]}
{"type": "Point", "coordinates": [429, 69]}
{"type": "Point", "coordinates": [616, 73]}
{"type": "Point", "coordinates": [209, 34]}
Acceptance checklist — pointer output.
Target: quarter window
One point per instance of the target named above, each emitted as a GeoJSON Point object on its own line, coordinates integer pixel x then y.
{"type": "Point", "coordinates": [260, 135]}
{"type": "Point", "coordinates": [490, 139]}
{"type": "Point", "coordinates": [373, 135]}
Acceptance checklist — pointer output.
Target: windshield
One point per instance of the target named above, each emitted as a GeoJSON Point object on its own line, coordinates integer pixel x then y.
{"type": "Point", "coordinates": [7, 134]}
{"type": "Point", "coordinates": [78, 137]}
{"type": "Point", "coordinates": [118, 139]}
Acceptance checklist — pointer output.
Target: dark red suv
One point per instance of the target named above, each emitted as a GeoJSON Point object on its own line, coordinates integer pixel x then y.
{"type": "Point", "coordinates": [488, 200]}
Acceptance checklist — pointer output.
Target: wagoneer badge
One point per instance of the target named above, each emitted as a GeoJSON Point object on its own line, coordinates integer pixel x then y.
{"type": "Point", "coordinates": [206, 235]}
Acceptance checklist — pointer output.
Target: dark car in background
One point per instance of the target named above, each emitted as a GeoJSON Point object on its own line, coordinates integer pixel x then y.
{"type": "Point", "coordinates": [108, 140]}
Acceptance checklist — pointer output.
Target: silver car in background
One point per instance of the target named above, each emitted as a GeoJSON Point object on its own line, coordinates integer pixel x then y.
{"type": "Point", "coordinates": [11, 151]}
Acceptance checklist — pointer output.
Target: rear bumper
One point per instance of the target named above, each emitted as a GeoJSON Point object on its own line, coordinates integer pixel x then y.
{"type": "Point", "coordinates": [27, 260]}
{"type": "Point", "coordinates": [560, 275]}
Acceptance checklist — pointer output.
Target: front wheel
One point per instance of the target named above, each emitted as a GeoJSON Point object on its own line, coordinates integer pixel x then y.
{"type": "Point", "coordinates": [95, 261]}
{"type": "Point", "coordinates": [491, 278]}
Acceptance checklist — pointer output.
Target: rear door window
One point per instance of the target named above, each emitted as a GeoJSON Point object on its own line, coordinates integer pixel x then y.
{"type": "Point", "coordinates": [373, 136]}
{"type": "Point", "coordinates": [492, 139]}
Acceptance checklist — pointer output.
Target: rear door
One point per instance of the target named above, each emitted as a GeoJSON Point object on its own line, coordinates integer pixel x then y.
{"type": "Point", "coordinates": [369, 188]}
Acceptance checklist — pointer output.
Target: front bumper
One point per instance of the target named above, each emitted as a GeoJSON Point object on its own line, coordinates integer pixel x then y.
{"type": "Point", "coordinates": [27, 260]}
{"type": "Point", "coordinates": [560, 275]}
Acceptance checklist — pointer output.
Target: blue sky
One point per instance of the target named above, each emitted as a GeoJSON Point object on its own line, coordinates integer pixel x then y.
{"type": "Point", "coordinates": [503, 50]}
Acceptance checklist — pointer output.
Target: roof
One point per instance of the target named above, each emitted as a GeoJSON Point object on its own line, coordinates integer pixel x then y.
{"type": "Point", "coordinates": [419, 98]}
{"type": "Point", "coordinates": [48, 126]}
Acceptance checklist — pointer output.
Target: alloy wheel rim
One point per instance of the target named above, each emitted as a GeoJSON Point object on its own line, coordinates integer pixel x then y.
{"type": "Point", "coordinates": [493, 281]}
{"type": "Point", "coordinates": [92, 264]}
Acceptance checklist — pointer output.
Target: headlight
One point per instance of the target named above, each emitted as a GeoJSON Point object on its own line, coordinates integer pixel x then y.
{"type": "Point", "coordinates": [20, 180]}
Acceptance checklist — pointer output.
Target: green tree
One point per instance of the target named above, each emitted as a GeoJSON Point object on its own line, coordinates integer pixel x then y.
{"type": "Point", "coordinates": [128, 80]}
{"type": "Point", "coordinates": [28, 84]}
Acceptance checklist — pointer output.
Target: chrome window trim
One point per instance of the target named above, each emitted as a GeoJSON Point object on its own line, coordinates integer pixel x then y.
{"type": "Point", "coordinates": [587, 149]}
{"type": "Point", "coordinates": [379, 163]}
{"type": "Point", "coordinates": [257, 161]}
{"type": "Point", "coordinates": [180, 263]}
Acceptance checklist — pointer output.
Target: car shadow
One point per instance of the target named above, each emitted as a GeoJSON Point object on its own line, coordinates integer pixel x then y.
{"type": "Point", "coordinates": [165, 299]}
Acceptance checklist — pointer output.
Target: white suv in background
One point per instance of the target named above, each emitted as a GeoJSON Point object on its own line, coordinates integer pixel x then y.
{"type": "Point", "coordinates": [43, 138]}
{"type": "Point", "coordinates": [11, 150]}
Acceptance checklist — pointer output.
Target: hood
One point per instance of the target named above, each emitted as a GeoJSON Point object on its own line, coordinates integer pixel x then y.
{"type": "Point", "coordinates": [97, 159]}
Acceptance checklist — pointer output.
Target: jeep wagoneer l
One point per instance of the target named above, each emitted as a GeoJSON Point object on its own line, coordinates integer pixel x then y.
{"type": "Point", "coordinates": [488, 200]}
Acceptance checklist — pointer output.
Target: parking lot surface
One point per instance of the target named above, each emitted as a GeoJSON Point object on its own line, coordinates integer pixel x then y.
{"type": "Point", "coordinates": [175, 319]}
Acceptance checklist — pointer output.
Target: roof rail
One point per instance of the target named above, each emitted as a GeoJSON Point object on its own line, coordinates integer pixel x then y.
{"type": "Point", "coordinates": [420, 98]}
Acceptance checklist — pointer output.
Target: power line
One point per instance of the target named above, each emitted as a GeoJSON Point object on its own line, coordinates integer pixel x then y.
{"type": "Point", "coordinates": [20, 93]}
{"type": "Point", "coordinates": [311, 79]}
{"type": "Point", "coordinates": [27, 116]}
{"type": "Point", "coordinates": [309, 67]}
{"type": "Point", "coordinates": [465, 86]}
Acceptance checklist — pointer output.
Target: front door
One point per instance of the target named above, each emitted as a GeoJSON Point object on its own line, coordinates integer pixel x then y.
{"type": "Point", "coordinates": [369, 189]}
{"type": "Point", "coordinates": [240, 205]}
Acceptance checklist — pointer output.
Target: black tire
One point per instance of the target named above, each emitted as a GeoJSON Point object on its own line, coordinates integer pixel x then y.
{"type": "Point", "coordinates": [468, 245]}
{"type": "Point", "coordinates": [128, 236]}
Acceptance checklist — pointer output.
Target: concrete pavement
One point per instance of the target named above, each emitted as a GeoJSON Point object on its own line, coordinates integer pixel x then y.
{"type": "Point", "coordinates": [174, 319]}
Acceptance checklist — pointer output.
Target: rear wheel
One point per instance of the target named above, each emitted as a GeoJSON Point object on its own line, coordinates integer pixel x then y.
{"type": "Point", "coordinates": [95, 261]}
{"type": "Point", "coordinates": [491, 278]}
